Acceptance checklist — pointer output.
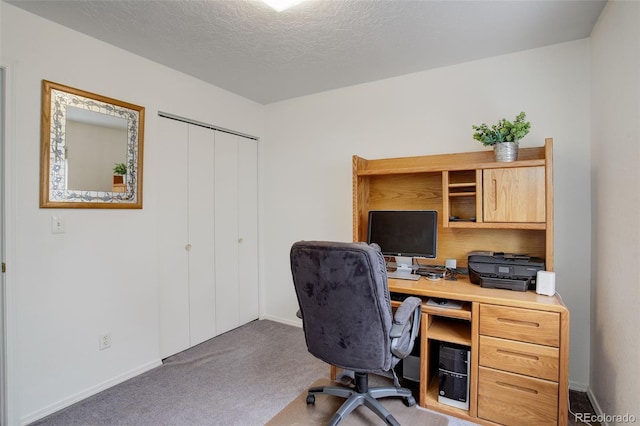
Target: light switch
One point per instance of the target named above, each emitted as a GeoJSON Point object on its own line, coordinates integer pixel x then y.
{"type": "Point", "coordinates": [57, 225]}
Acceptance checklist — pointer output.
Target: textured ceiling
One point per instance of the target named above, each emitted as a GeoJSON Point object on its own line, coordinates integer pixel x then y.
{"type": "Point", "coordinates": [249, 49]}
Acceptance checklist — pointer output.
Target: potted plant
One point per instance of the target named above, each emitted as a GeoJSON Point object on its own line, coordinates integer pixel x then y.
{"type": "Point", "coordinates": [504, 136]}
{"type": "Point", "coordinates": [119, 171]}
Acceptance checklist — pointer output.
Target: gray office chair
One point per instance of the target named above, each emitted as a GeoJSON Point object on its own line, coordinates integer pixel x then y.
{"type": "Point", "coordinates": [347, 319]}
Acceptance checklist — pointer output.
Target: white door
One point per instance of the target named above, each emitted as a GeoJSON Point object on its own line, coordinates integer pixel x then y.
{"type": "Point", "coordinates": [202, 296]}
{"type": "Point", "coordinates": [227, 254]}
{"type": "Point", "coordinates": [171, 141]}
{"type": "Point", "coordinates": [236, 231]}
{"type": "Point", "coordinates": [208, 233]}
{"type": "Point", "coordinates": [3, 411]}
{"type": "Point", "coordinates": [248, 229]}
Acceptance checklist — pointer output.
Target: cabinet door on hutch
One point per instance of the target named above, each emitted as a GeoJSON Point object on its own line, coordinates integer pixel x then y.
{"type": "Point", "coordinates": [514, 194]}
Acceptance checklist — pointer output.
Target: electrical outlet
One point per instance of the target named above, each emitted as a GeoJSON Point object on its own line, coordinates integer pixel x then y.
{"type": "Point", "coordinates": [104, 341]}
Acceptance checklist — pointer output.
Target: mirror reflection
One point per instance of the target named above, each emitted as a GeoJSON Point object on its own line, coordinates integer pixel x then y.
{"type": "Point", "coordinates": [91, 153]}
{"type": "Point", "coordinates": [95, 143]}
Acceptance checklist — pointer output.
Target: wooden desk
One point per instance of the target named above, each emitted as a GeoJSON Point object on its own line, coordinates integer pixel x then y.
{"type": "Point", "coordinates": [519, 350]}
{"type": "Point", "coordinates": [519, 340]}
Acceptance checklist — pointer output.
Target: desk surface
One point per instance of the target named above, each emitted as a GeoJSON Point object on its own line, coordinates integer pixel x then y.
{"type": "Point", "coordinates": [463, 290]}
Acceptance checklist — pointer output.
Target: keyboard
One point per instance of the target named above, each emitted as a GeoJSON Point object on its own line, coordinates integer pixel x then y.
{"type": "Point", "coordinates": [424, 270]}
{"type": "Point", "coordinates": [412, 277]}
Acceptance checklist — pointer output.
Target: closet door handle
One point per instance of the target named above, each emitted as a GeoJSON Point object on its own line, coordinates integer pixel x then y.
{"type": "Point", "coordinates": [240, 240]}
{"type": "Point", "coordinates": [187, 247]}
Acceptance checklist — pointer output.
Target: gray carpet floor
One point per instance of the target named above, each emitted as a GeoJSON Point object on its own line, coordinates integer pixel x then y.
{"type": "Point", "coordinates": [243, 377]}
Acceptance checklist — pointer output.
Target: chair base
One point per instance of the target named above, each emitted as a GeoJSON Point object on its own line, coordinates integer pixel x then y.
{"type": "Point", "coordinates": [362, 395]}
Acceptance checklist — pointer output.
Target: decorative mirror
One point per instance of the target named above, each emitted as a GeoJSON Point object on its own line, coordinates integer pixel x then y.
{"type": "Point", "coordinates": [91, 150]}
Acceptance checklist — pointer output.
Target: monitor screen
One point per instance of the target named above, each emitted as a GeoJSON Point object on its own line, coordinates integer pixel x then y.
{"type": "Point", "coordinates": [406, 233]}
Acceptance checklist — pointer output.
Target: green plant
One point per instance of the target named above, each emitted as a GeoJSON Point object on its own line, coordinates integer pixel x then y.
{"type": "Point", "coordinates": [503, 131]}
{"type": "Point", "coordinates": [120, 169]}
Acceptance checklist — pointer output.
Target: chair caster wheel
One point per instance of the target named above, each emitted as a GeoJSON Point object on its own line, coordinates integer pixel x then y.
{"type": "Point", "coordinates": [408, 401]}
{"type": "Point", "coordinates": [311, 399]}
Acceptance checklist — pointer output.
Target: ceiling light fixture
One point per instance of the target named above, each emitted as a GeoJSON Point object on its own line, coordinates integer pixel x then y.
{"type": "Point", "coordinates": [280, 5]}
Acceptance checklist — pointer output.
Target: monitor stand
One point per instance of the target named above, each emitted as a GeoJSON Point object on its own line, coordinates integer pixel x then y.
{"type": "Point", "coordinates": [404, 269]}
{"type": "Point", "coordinates": [405, 264]}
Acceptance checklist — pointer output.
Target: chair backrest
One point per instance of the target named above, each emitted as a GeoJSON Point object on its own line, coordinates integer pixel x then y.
{"type": "Point", "coordinates": [344, 300]}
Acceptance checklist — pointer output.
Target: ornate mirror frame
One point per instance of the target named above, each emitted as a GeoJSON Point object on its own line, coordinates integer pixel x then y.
{"type": "Point", "coordinates": [54, 191]}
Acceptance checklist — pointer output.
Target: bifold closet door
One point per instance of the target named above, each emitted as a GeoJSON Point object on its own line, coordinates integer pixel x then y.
{"type": "Point", "coordinates": [201, 219]}
{"type": "Point", "coordinates": [186, 236]}
{"type": "Point", "coordinates": [207, 233]}
{"type": "Point", "coordinates": [236, 231]}
{"type": "Point", "coordinates": [173, 258]}
{"type": "Point", "coordinates": [249, 308]}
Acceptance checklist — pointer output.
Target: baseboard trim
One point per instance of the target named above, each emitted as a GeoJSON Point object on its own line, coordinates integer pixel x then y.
{"type": "Point", "coordinates": [295, 323]}
{"type": "Point", "coordinates": [592, 400]}
{"type": "Point", "coordinates": [576, 386]}
{"type": "Point", "coordinates": [596, 406]}
{"type": "Point", "coordinates": [57, 406]}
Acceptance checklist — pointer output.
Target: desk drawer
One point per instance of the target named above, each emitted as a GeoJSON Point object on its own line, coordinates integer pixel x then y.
{"type": "Point", "coordinates": [512, 399]}
{"type": "Point", "coordinates": [525, 325]}
{"type": "Point", "coordinates": [518, 357]}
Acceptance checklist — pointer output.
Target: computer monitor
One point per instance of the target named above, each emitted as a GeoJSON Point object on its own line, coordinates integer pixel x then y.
{"type": "Point", "coordinates": [404, 234]}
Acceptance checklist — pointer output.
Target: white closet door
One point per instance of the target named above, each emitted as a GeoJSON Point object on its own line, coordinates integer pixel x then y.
{"type": "Point", "coordinates": [172, 165]}
{"type": "Point", "coordinates": [248, 229]}
{"type": "Point", "coordinates": [226, 228]}
{"type": "Point", "coordinates": [207, 235]}
{"type": "Point", "coordinates": [201, 234]}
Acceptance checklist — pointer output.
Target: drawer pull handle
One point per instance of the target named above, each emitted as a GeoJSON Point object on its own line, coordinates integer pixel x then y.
{"type": "Point", "coordinates": [516, 387]}
{"type": "Point", "coordinates": [519, 354]}
{"type": "Point", "coordinates": [518, 322]}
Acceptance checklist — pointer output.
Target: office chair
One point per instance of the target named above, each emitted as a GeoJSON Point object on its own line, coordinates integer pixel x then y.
{"type": "Point", "coordinates": [346, 314]}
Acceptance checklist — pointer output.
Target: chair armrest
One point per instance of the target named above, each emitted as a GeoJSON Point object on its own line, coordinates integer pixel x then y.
{"type": "Point", "coordinates": [404, 329]}
{"type": "Point", "coordinates": [403, 314]}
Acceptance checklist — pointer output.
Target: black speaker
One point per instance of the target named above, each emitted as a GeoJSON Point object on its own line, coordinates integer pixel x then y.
{"type": "Point", "coordinates": [453, 375]}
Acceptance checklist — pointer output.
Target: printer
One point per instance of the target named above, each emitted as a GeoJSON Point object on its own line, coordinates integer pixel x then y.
{"type": "Point", "coordinates": [504, 270]}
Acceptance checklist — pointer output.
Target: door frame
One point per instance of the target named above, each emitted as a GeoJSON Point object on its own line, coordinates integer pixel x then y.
{"type": "Point", "coordinates": [3, 304]}
{"type": "Point", "coordinates": [8, 369]}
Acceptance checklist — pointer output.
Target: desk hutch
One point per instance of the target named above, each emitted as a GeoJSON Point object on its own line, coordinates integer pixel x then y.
{"type": "Point", "coordinates": [519, 340]}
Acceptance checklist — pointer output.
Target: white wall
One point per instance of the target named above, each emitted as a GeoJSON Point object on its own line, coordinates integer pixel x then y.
{"type": "Point", "coordinates": [307, 163]}
{"type": "Point", "coordinates": [615, 286]}
{"type": "Point", "coordinates": [101, 275]}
